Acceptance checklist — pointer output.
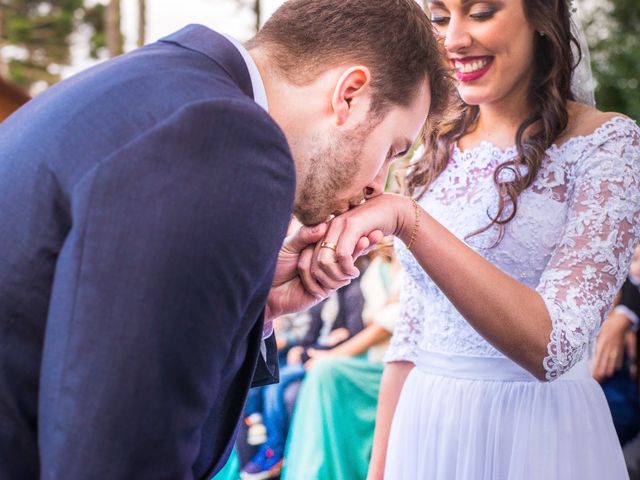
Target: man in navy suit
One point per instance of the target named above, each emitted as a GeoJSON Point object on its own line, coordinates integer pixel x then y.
{"type": "Point", "coordinates": [143, 206]}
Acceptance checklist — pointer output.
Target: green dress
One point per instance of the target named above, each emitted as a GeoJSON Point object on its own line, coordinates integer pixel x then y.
{"type": "Point", "coordinates": [231, 470]}
{"type": "Point", "coordinates": [332, 426]}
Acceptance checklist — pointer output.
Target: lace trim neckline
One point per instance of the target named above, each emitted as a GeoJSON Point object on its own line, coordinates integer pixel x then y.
{"type": "Point", "coordinates": [511, 150]}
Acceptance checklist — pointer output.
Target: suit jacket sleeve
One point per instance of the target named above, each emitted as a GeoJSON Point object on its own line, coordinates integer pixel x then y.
{"type": "Point", "coordinates": [162, 278]}
{"type": "Point", "coordinates": [267, 370]}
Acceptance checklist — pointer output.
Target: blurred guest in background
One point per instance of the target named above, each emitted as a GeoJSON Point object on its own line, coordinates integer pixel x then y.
{"type": "Point", "coordinates": [333, 423]}
{"type": "Point", "coordinates": [615, 366]}
{"type": "Point", "coordinates": [331, 322]}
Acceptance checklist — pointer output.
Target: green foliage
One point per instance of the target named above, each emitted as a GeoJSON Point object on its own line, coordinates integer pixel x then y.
{"type": "Point", "coordinates": [42, 32]}
{"type": "Point", "coordinates": [95, 17]}
{"type": "Point", "coordinates": [615, 50]}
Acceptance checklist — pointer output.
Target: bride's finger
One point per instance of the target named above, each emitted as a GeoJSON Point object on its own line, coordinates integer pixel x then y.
{"type": "Point", "coordinates": [328, 263]}
{"type": "Point", "coordinates": [304, 271]}
{"type": "Point", "coordinates": [376, 237]}
{"type": "Point", "coordinates": [363, 246]}
{"type": "Point", "coordinates": [326, 280]}
{"type": "Point", "coordinates": [346, 233]}
{"type": "Point", "coordinates": [326, 260]}
{"type": "Point", "coordinates": [329, 280]}
{"type": "Point", "coordinates": [330, 257]}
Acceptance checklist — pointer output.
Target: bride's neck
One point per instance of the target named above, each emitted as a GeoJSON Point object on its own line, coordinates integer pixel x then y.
{"type": "Point", "coordinates": [498, 121]}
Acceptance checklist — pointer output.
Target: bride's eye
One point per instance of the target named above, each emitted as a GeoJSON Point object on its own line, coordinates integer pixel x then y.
{"type": "Point", "coordinates": [439, 19]}
{"type": "Point", "coordinates": [483, 14]}
{"type": "Point", "coordinates": [439, 16]}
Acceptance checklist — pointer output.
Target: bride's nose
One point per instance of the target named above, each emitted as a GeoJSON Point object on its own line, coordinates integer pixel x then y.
{"type": "Point", "coordinates": [457, 37]}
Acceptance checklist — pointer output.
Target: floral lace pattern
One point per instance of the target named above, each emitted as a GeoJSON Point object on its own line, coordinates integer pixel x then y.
{"type": "Point", "coordinates": [571, 241]}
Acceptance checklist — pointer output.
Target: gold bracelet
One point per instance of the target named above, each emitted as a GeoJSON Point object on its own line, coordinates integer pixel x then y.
{"type": "Point", "coordinates": [416, 224]}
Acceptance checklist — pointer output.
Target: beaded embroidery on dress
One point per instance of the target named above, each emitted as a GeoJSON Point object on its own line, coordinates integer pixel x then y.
{"type": "Point", "coordinates": [571, 241]}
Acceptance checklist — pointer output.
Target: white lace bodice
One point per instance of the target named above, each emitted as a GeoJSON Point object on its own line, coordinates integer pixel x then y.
{"type": "Point", "coordinates": [571, 241]}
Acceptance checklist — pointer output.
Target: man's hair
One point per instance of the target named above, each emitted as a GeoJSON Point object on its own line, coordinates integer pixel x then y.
{"type": "Point", "coordinates": [393, 38]}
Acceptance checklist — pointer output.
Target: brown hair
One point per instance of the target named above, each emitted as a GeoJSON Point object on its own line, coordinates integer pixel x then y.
{"type": "Point", "coordinates": [393, 38]}
{"type": "Point", "coordinates": [553, 65]}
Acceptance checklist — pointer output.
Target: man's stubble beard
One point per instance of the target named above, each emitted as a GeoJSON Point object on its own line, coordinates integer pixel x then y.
{"type": "Point", "coordinates": [330, 172]}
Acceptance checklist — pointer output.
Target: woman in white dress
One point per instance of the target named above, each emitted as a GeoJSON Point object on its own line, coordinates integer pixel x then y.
{"type": "Point", "coordinates": [527, 212]}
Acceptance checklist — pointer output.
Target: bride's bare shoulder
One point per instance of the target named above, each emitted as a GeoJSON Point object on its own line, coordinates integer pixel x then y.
{"type": "Point", "coordinates": [584, 120]}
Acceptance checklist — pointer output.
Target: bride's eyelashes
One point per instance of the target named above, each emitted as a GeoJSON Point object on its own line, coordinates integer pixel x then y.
{"type": "Point", "coordinates": [481, 13]}
{"type": "Point", "coordinates": [484, 14]}
{"type": "Point", "coordinates": [439, 20]}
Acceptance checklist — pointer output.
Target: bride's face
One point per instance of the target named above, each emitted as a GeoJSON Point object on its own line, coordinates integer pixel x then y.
{"type": "Point", "coordinates": [490, 45]}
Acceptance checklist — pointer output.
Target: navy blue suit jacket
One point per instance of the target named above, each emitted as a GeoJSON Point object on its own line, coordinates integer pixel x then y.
{"type": "Point", "coordinates": [142, 206]}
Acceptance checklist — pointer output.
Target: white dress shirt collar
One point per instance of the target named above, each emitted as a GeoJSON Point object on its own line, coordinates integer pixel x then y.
{"type": "Point", "coordinates": [259, 92]}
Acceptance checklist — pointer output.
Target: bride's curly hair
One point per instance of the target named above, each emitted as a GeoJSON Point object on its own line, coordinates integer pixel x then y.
{"type": "Point", "coordinates": [554, 62]}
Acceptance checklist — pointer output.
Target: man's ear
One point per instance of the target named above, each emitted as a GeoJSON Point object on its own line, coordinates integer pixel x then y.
{"type": "Point", "coordinates": [351, 88]}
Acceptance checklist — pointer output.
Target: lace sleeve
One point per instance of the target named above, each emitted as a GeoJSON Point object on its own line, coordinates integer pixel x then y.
{"type": "Point", "coordinates": [592, 258]}
{"type": "Point", "coordinates": [409, 325]}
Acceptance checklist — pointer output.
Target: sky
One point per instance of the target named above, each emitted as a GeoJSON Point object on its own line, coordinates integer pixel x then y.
{"type": "Point", "coordinates": [167, 16]}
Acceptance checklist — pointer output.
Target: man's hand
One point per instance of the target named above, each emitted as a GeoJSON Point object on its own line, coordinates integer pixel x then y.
{"type": "Point", "coordinates": [352, 233]}
{"type": "Point", "coordinates": [288, 294]}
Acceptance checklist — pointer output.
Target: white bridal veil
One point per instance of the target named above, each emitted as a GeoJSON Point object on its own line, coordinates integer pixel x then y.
{"type": "Point", "coordinates": [582, 83]}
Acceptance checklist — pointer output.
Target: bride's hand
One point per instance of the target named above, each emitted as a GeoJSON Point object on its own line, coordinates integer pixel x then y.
{"type": "Point", "coordinates": [387, 214]}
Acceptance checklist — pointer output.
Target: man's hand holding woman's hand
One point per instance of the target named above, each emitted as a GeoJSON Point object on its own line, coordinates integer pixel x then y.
{"type": "Point", "coordinates": [308, 272]}
{"type": "Point", "coordinates": [289, 293]}
{"type": "Point", "coordinates": [352, 234]}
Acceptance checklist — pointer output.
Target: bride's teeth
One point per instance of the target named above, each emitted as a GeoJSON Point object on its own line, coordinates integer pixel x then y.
{"type": "Point", "coordinates": [473, 66]}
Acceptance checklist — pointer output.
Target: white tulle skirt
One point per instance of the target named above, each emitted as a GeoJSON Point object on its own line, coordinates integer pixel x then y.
{"type": "Point", "coordinates": [478, 418]}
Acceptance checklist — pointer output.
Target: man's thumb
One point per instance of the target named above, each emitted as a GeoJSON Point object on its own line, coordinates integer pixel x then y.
{"type": "Point", "coordinates": [305, 236]}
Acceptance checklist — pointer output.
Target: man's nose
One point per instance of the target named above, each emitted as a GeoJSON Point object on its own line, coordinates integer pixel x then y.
{"type": "Point", "coordinates": [457, 37]}
{"type": "Point", "coordinates": [376, 187]}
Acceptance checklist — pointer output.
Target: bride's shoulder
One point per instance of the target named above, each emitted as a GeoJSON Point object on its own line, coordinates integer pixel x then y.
{"type": "Point", "coordinates": [585, 121]}
{"type": "Point", "coordinates": [601, 143]}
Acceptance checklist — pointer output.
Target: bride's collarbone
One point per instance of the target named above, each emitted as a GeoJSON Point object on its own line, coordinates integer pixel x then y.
{"type": "Point", "coordinates": [584, 120]}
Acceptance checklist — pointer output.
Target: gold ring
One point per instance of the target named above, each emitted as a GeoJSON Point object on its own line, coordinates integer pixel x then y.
{"type": "Point", "coordinates": [613, 355]}
{"type": "Point", "coordinates": [330, 245]}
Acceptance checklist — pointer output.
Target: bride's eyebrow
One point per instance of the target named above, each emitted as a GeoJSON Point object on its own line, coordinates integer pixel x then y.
{"type": "Point", "coordinates": [440, 3]}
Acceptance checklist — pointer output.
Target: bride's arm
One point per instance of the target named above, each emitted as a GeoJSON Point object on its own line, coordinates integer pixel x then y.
{"type": "Point", "coordinates": [401, 356]}
{"type": "Point", "coordinates": [546, 330]}
{"type": "Point", "coordinates": [391, 384]}
{"type": "Point", "coordinates": [510, 315]}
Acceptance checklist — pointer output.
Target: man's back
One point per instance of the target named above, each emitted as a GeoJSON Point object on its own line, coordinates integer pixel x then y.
{"type": "Point", "coordinates": [124, 192]}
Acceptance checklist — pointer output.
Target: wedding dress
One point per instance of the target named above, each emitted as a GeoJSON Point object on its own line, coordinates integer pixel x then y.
{"type": "Point", "coordinates": [468, 412]}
